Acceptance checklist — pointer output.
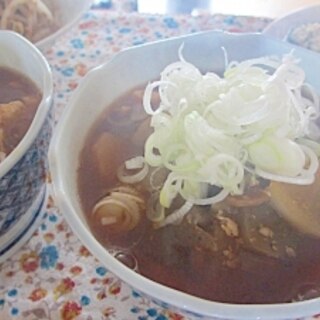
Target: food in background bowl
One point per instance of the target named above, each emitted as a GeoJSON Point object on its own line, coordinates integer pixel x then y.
{"type": "Point", "coordinates": [19, 100]}
{"type": "Point", "coordinates": [31, 18]}
{"type": "Point", "coordinates": [25, 128]}
{"type": "Point", "coordinates": [214, 240]}
{"type": "Point", "coordinates": [300, 27]}
{"type": "Point", "coordinates": [306, 35]}
{"type": "Point", "coordinates": [41, 21]}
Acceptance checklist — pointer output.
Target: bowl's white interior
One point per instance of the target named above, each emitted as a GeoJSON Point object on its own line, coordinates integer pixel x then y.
{"type": "Point", "coordinates": [103, 85]}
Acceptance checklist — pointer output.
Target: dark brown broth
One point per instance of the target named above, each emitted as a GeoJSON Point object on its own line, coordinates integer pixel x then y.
{"type": "Point", "coordinates": [23, 94]}
{"type": "Point", "coordinates": [163, 258]}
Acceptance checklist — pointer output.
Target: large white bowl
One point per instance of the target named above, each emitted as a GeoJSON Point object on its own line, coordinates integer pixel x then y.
{"type": "Point", "coordinates": [132, 67]}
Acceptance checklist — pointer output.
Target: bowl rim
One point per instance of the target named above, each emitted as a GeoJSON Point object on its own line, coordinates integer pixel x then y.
{"type": "Point", "coordinates": [43, 108]}
{"type": "Point", "coordinates": [173, 297]}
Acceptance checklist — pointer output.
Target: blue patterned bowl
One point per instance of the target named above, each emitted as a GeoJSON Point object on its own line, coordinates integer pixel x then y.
{"type": "Point", "coordinates": [23, 171]}
{"type": "Point", "coordinates": [101, 86]}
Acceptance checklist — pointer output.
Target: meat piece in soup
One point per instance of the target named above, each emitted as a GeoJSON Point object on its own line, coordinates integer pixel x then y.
{"type": "Point", "coordinates": [19, 99]}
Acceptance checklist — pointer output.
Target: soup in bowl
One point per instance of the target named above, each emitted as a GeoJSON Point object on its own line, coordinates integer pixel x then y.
{"type": "Point", "coordinates": [194, 176]}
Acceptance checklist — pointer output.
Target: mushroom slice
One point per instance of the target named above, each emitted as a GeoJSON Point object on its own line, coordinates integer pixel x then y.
{"type": "Point", "coordinates": [120, 210]}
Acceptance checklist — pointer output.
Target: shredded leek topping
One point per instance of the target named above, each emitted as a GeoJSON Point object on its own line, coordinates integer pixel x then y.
{"type": "Point", "coordinates": [211, 130]}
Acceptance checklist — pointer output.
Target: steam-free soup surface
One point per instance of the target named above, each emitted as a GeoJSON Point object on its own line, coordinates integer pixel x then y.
{"type": "Point", "coordinates": [19, 99]}
{"type": "Point", "coordinates": [236, 251]}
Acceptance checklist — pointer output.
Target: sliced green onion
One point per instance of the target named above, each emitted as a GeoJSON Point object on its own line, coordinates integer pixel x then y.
{"type": "Point", "coordinates": [277, 155]}
{"type": "Point", "coordinates": [210, 130]}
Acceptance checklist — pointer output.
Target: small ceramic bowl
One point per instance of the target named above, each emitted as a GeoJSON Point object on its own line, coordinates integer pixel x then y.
{"type": "Point", "coordinates": [23, 171]}
{"type": "Point", "coordinates": [131, 68]}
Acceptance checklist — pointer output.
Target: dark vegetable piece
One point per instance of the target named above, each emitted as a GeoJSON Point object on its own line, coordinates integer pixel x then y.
{"type": "Point", "coordinates": [264, 233]}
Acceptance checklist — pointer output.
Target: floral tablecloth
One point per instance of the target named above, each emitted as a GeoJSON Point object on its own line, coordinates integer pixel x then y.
{"type": "Point", "coordinates": [54, 276]}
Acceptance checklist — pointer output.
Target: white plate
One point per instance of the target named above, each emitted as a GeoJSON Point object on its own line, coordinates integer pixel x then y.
{"type": "Point", "coordinates": [280, 28]}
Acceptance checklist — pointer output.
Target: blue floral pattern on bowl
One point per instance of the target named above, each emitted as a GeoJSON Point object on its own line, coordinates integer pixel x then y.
{"type": "Point", "coordinates": [23, 182]}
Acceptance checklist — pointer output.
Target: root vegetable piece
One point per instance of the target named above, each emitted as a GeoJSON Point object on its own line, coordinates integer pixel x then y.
{"type": "Point", "coordinates": [120, 210]}
{"type": "Point", "coordinates": [299, 205]}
